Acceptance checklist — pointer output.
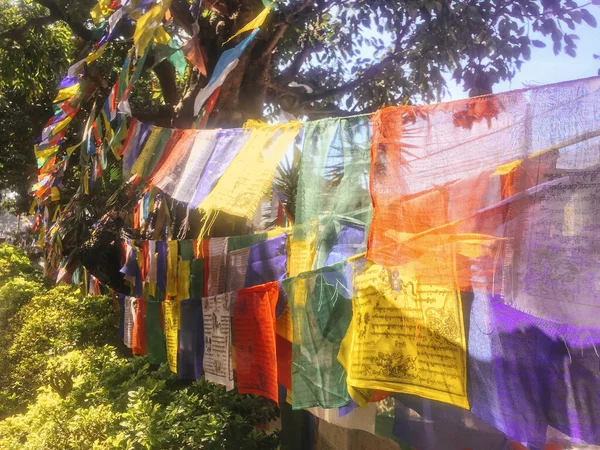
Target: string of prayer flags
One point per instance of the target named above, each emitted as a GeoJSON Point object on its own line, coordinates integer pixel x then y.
{"type": "Point", "coordinates": [217, 360]}
{"type": "Point", "coordinates": [228, 145]}
{"type": "Point", "coordinates": [255, 347]}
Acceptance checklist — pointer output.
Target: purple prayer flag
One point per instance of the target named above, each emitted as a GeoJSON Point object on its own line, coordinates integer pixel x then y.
{"type": "Point", "coordinates": [191, 340]}
{"type": "Point", "coordinates": [528, 374]}
{"type": "Point", "coordinates": [350, 241]}
{"type": "Point", "coordinates": [130, 267]}
{"type": "Point", "coordinates": [68, 81]}
{"type": "Point", "coordinates": [161, 265]}
{"type": "Point", "coordinates": [424, 423]}
{"type": "Point", "coordinates": [267, 261]}
{"type": "Point", "coordinates": [229, 143]}
{"type": "Point", "coordinates": [347, 409]}
{"type": "Point", "coordinates": [136, 146]}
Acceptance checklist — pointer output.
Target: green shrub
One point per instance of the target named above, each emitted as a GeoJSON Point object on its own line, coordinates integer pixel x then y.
{"type": "Point", "coordinates": [14, 263]}
{"type": "Point", "coordinates": [14, 294]}
{"type": "Point", "coordinates": [67, 385]}
{"type": "Point", "coordinates": [53, 323]}
{"type": "Point", "coordinates": [96, 399]}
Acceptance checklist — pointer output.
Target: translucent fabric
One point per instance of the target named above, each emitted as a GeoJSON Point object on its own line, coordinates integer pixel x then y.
{"type": "Point", "coordinates": [255, 347]}
{"type": "Point", "coordinates": [423, 423]}
{"type": "Point", "coordinates": [534, 379]}
{"type": "Point", "coordinates": [249, 176]}
{"type": "Point", "coordinates": [228, 145]}
{"type": "Point", "coordinates": [167, 176]}
{"type": "Point", "coordinates": [321, 311]}
{"type": "Point", "coordinates": [498, 196]}
{"type": "Point", "coordinates": [406, 335]}
{"type": "Point", "coordinates": [202, 148]}
{"type": "Point", "coordinates": [333, 185]}
{"type": "Point", "coordinates": [450, 173]}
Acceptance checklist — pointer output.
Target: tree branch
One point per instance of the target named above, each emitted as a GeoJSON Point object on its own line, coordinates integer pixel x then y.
{"type": "Point", "coordinates": [17, 33]}
{"type": "Point", "coordinates": [273, 40]}
{"type": "Point", "coordinates": [370, 72]}
{"type": "Point", "coordinates": [77, 28]}
{"type": "Point", "coordinates": [288, 75]}
{"type": "Point", "coordinates": [167, 78]}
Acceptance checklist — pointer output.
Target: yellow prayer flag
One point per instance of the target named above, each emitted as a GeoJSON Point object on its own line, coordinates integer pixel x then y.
{"type": "Point", "coordinates": [171, 311]}
{"type": "Point", "coordinates": [247, 179]}
{"type": "Point", "coordinates": [142, 160]}
{"type": "Point", "coordinates": [406, 335]}
{"type": "Point", "coordinates": [95, 54]}
{"type": "Point", "coordinates": [100, 11]}
{"type": "Point", "coordinates": [161, 36]}
{"type": "Point", "coordinates": [54, 195]}
{"type": "Point", "coordinates": [66, 93]}
{"type": "Point", "coordinates": [146, 26]}
{"type": "Point", "coordinates": [71, 149]}
{"type": "Point", "coordinates": [43, 154]}
{"type": "Point", "coordinates": [253, 24]}
{"type": "Point", "coordinates": [172, 266]}
{"type": "Point", "coordinates": [183, 280]}
{"type": "Point", "coordinates": [61, 125]}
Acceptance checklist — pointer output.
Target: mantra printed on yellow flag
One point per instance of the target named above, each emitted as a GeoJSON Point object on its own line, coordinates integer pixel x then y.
{"type": "Point", "coordinates": [406, 335]}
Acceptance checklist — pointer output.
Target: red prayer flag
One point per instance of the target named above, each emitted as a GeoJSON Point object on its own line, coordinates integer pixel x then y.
{"type": "Point", "coordinates": [138, 341]}
{"type": "Point", "coordinates": [254, 332]}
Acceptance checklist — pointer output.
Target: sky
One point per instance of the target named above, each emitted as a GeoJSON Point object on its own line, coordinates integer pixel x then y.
{"type": "Point", "coordinates": [546, 68]}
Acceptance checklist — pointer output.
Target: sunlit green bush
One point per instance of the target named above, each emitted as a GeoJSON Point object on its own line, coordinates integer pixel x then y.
{"type": "Point", "coordinates": [65, 383]}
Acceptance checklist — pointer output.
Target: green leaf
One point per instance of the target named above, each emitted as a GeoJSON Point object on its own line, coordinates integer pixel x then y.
{"type": "Point", "coordinates": [589, 19]}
